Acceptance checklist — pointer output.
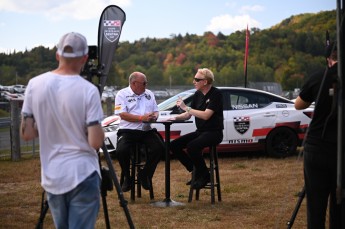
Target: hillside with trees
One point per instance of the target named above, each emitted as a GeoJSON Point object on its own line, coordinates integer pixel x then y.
{"type": "Point", "coordinates": [285, 53]}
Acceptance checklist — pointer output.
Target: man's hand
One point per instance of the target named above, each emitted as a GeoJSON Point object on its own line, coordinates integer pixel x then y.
{"type": "Point", "coordinates": [181, 104]}
{"type": "Point", "coordinates": [152, 117]}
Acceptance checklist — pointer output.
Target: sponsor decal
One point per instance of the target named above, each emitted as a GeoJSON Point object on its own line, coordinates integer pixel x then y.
{"type": "Point", "coordinates": [240, 141]}
{"type": "Point", "coordinates": [281, 106]}
{"type": "Point", "coordinates": [242, 124]}
{"type": "Point", "coordinates": [285, 113]}
{"type": "Point", "coordinates": [112, 29]}
{"type": "Point", "coordinates": [245, 106]}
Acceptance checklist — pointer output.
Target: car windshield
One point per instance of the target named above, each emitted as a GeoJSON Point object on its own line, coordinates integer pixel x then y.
{"type": "Point", "coordinates": [171, 102]}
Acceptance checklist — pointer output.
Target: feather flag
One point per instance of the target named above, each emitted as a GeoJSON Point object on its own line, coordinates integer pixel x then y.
{"type": "Point", "coordinates": [109, 32]}
{"type": "Point", "coordinates": [246, 57]}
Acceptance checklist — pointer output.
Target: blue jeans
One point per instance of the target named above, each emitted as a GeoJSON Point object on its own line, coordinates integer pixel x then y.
{"type": "Point", "coordinates": [79, 207]}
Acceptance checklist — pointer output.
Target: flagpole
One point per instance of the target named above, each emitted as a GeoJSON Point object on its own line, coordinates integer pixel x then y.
{"type": "Point", "coordinates": [246, 57]}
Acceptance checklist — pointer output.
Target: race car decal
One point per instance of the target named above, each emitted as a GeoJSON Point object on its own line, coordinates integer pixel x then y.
{"type": "Point", "coordinates": [293, 125]}
{"type": "Point", "coordinates": [240, 141]}
{"type": "Point", "coordinates": [245, 106]}
{"type": "Point", "coordinates": [281, 105]}
{"type": "Point", "coordinates": [242, 124]}
{"type": "Point", "coordinates": [173, 134]}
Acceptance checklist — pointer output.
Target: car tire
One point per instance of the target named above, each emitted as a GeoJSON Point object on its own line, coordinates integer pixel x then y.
{"type": "Point", "coordinates": [281, 142]}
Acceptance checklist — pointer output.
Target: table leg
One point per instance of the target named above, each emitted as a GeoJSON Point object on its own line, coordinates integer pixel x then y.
{"type": "Point", "coordinates": [167, 202]}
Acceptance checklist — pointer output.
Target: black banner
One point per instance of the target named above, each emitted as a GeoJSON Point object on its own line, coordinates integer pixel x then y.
{"type": "Point", "coordinates": [109, 32]}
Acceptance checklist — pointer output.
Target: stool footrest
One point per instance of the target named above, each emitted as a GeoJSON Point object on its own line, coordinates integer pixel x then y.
{"type": "Point", "coordinates": [215, 180]}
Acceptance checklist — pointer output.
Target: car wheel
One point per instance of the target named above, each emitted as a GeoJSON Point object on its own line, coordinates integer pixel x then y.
{"type": "Point", "coordinates": [281, 142]}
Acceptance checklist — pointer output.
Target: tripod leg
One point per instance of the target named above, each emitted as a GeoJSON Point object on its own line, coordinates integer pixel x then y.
{"type": "Point", "coordinates": [301, 195]}
{"type": "Point", "coordinates": [44, 209]}
{"type": "Point", "coordinates": [105, 207]}
{"type": "Point", "coordinates": [123, 202]}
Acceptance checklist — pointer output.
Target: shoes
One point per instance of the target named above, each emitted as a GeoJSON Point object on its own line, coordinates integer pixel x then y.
{"type": "Point", "coordinates": [144, 180]}
{"type": "Point", "coordinates": [126, 186]}
{"type": "Point", "coordinates": [201, 182]}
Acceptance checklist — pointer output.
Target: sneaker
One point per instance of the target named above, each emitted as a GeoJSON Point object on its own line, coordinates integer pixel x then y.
{"type": "Point", "coordinates": [201, 182]}
{"type": "Point", "coordinates": [144, 180]}
{"type": "Point", "coordinates": [126, 185]}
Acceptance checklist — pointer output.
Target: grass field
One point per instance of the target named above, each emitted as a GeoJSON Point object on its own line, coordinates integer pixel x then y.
{"type": "Point", "coordinates": [257, 192]}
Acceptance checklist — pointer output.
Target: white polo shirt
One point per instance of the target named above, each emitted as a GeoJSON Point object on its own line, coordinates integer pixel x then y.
{"type": "Point", "coordinates": [127, 101]}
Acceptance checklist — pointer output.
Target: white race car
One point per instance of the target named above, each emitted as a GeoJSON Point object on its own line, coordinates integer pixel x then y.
{"type": "Point", "coordinates": [254, 120]}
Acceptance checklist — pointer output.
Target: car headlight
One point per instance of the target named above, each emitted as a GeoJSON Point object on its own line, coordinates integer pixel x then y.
{"type": "Point", "coordinates": [111, 128]}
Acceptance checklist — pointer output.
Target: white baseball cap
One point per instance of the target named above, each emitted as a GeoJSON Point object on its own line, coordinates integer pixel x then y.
{"type": "Point", "coordinates": [72, 45]}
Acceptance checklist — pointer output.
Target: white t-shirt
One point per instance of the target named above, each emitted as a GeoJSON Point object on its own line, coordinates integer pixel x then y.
{"type": "Point", "coordinates": [63, 106]}
{"type": "Point", "coordinates": [127, 101]}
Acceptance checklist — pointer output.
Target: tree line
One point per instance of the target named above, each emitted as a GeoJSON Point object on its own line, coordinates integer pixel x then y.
{"type": "Point", "coordinates": [285, 53]}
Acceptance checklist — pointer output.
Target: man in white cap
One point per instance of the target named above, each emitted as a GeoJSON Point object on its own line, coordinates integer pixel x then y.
{"type": "Point", "coordinates": [64, 110]}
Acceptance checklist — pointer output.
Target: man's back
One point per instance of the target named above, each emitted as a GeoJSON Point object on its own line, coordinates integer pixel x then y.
{"type": "Point", "coordinates": [62, 106]}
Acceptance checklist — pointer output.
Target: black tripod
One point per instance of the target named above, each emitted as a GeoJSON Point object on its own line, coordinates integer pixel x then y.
{"type": "Point", "coordinates": [301, 196]}
{"type": "Point", "coordinates": [108, 179]}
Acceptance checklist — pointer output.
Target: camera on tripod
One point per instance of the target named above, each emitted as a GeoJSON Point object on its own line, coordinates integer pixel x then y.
{"type": "Point", "coordinates": [91, 67]}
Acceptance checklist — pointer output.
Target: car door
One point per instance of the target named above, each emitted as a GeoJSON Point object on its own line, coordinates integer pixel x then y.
{"type": "Point", "coordinates": [246, 114]}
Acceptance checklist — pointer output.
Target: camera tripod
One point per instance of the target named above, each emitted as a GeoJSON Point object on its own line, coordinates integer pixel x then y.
{"type": "Point", "coordinates": [108, 179]}
{"type": "Point", "coordinates": [301, 196]}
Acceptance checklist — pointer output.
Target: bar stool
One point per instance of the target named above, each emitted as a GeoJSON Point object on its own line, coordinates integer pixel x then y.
{"type": "Point", "coordinates": [138, 159]}
{"type": "Point", "coordinates": [214, 178]}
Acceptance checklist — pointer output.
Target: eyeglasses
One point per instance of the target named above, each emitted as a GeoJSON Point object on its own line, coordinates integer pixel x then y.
{"type": "Point", "coordinates": [198, 80]}
{"type": "Point", "coordinates": [142, 83]}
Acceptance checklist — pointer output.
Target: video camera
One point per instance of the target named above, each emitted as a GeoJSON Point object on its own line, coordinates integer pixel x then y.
{"type": "Point", "coordinates": [91, 67]}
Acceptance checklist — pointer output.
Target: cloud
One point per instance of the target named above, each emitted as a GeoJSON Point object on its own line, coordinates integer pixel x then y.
{"type": "Point", "coordinates": [254, 8]}
{"type": "Point", "coordinates": [228, 23]}
{"type": "Point", "coordinates": [60, 9]}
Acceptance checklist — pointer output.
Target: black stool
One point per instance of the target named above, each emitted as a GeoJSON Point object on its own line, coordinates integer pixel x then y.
{"type": "Point", "coordinates": [214, 177]}
{"type": "Point", "coordinates": [138, 159]}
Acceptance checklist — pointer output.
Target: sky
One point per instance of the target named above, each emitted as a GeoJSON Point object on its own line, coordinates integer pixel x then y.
{"type": "Point", "coordinates": [25, 24]}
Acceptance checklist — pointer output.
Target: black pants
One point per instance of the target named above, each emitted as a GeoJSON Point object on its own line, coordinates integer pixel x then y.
{"type": "Point", "coordinates": [194, 143]}
{"type": "Point", "coordinates": [320, 175]}
{"type": "Point", "coordinates": [126, 140]}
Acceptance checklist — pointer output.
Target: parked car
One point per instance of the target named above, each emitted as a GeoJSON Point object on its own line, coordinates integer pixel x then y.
{"type": "Point", "coordinates": [254, 120]}
{"type": "Point", "coordinates": [18, 88]}
{"type": "Point", "coordinates": [108, 94]}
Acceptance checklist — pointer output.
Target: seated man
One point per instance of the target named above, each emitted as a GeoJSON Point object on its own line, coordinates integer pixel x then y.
{"type": "Point", "coordinates": [135, 104]}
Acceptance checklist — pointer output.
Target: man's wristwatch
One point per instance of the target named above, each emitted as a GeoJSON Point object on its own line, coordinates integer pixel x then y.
{"type": "Point", "coordinates": [188, 109]}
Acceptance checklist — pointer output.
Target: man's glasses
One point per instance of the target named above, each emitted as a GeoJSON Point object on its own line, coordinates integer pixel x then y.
{"type": "Point", "coordinates": [142, 83]}
{"type": "Point", "coordinates": [197, 79]}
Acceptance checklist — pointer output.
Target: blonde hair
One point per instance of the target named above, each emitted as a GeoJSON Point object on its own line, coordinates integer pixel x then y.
{"type": "Point", "coordinates": [207, 73]}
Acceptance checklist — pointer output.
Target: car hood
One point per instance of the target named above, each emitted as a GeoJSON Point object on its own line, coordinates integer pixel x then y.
{"type": "Point", "coordinates": [111, 120]}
